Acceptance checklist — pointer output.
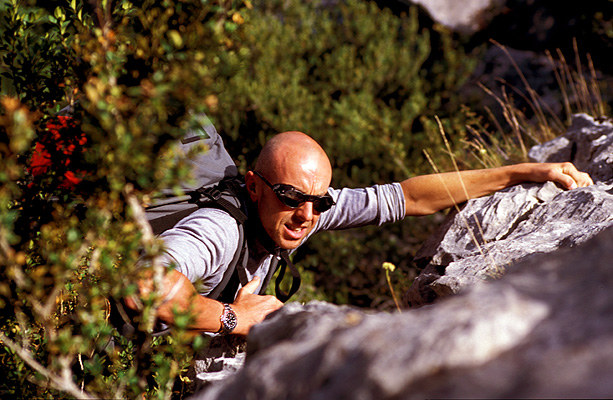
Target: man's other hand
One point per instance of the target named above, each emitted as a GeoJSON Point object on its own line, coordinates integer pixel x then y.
{"type": "Point", "coordinates": [251, 308]}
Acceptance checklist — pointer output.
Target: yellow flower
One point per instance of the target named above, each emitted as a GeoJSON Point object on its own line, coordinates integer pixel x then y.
{"type": "Point", "coordinates": [389, 266]}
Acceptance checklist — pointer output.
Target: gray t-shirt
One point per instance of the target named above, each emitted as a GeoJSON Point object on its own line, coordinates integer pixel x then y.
{"type": "Point", "coordinates": [202, 245]}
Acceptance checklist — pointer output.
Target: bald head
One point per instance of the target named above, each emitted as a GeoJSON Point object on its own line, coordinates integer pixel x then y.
{"type": "Point", "coordinates": [294, 152]}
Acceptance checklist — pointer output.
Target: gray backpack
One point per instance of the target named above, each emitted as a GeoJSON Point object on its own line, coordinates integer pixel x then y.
{"type": "Point", "coordinates": [216, 184]}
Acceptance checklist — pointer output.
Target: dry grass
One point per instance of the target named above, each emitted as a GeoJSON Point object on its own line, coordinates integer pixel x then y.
{"type": "Point", "coordinates": [495, 269]}
{"type": "Point", "coordinates": [492, 141]}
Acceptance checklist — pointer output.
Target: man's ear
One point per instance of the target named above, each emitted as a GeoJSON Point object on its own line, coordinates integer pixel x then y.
{"type": "Point", "coordinates": [250, 184]}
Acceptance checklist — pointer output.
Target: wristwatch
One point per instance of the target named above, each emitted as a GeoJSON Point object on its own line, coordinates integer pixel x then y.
{"type": "Point", "coordinates": [228, 320]}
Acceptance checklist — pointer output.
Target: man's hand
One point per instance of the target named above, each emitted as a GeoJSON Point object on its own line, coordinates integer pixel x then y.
{"type": "Point", "coordinates": [251, 308]}
{"type": "Point", "coordinates": [565, 174]}
{"type": "Point", "coordinates": [180, 295]}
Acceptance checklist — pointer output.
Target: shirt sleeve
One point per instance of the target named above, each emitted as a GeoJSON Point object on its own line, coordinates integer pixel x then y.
{"type": "Point", "coordinates": [201, 246]}
{"type": "Point", "coordinates": [375, 205]}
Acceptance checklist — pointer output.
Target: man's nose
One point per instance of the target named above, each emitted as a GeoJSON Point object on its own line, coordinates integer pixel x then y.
{"type": "Point", "coordinates": [305, 212]}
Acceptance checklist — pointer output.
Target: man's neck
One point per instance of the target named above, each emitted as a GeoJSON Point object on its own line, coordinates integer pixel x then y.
{"type": "Point", "coordinates": [256, 234]}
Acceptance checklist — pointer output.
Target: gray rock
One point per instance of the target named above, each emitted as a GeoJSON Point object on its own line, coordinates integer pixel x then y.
{"type": "Point", "coordinates": [569, 354]}
{"type": "Point", "coordinates": [221, 358]}
{"type": "Point", "coordinates": [491, 233]}
{"type": "Point", "coordinates": [463, 16]}
{"type": "Point", "coordinates": [588, 143]}
{"type": "Point", "coordinates": [542, 331]}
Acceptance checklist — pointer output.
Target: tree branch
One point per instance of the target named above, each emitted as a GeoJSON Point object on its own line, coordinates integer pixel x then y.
{"type": "Point", "coordinates": [62, 383]}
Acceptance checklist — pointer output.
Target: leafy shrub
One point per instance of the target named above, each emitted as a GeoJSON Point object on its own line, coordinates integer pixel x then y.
{"type": "Point", "coordinates": [71, 226]}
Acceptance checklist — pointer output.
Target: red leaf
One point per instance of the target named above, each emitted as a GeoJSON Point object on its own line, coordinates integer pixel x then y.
{"type": "Point", "coordinates": [41, 160]}
{"type": "Point", "coordinates": [71, 180]}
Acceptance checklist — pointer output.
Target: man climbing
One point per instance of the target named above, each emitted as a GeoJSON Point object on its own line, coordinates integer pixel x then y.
{"type": "Point", "coordinates": [289, 200]}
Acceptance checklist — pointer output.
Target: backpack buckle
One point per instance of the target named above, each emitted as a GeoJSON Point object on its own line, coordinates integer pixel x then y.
{"type": "Point", "coordinates": [204, 195]}
{"type": "Point", "coordinates": [212, 193]}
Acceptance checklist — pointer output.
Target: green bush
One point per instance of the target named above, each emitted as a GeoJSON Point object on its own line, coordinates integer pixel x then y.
{"type": "Point", "coordinates": [366, 84]}
{"type": "Point", "coordinates": [71, 186]}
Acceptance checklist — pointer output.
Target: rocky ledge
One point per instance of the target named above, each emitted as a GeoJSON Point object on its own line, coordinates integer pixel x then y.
{"type": "Point", "coordinates": [542, 331]}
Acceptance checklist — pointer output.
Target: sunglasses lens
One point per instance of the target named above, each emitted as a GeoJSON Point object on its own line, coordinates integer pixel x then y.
{"type": "Point", "coordinates": [290, 196]}
{"type": "Point", "coordinates": [323, 204]}
{"type": "Point", "coordinates": [290, 201]}
{"type": "Point", "coordinates": [293, 198]}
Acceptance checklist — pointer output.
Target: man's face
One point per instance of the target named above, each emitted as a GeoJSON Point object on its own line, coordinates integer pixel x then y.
{"type": "Point", "coordinates": [286, 226]}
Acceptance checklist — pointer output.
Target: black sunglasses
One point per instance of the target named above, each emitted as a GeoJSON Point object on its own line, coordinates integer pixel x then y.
{"type": "Point", "coordinates": [294, 198]}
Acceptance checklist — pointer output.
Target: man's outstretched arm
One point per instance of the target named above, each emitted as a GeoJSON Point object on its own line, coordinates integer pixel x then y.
{"type": "Point", "coordinates": [428, 194]}
{"type": "Point", "coordinates": [180, 294]}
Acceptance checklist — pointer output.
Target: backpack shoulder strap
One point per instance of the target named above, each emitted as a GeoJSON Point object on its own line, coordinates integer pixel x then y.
{"type": "Point", "coordinates": [281, 261]}
{"type": "Point", "coordinates": [226, 289]}
{"type": "Point", "coordinates": [280, 293]}
{"type": "Point", "coordinates": [226, 196]}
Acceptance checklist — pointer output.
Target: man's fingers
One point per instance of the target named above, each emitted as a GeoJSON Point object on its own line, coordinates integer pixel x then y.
{"type": "Point", "coordinates": [252, 286]}
{"type": "Point", "coordinates": [569, 182]}
{"type": "Point", "coordinates": [578, 178]}
{"type": "Point", "coordinates": [588, 179]}
{"type": "Point", "coordinates": [583, 179]}
{"type": "Point", "coordinates": [251, 308]}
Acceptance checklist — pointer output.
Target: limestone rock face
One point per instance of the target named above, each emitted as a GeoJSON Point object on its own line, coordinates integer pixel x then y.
{"type": "Point", "coordinates": [542, 331]}
{"type": "Point", "coordinates": [464, 16]}
{"type": "Point", "coordinates": [489, 234]}
{"type": "Point", "coordinates": [588, 144]}
{"type": "Point", "coordinates": [222, 357]}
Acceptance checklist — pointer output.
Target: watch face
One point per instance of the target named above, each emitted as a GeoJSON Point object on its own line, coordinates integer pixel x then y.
{"type": "Point", "coordinates": [229, 319]}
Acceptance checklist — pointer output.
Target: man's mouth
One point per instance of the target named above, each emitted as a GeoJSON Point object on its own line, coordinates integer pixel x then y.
{"type": "Point", "coordinates": [295, 233]}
